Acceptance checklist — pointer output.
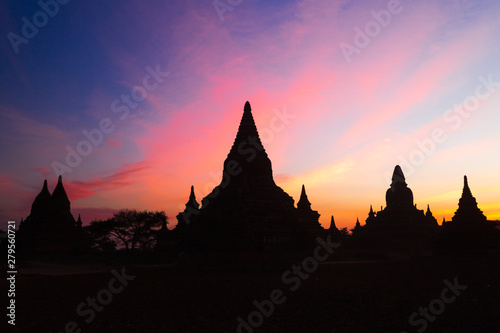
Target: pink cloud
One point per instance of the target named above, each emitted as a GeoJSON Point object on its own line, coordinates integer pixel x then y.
{"type": "Point", "coordinates": [121, 178]}
{"type": "Point", "coordinates": [191, 119]}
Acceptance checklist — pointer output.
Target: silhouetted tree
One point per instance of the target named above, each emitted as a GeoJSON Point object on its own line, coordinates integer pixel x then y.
{"type": "Point", "coordinates": [131, 229]}
{"type": "Point", "coordinates": [100, 235]}
{"type": "Point", "coordinates": [344, 234]}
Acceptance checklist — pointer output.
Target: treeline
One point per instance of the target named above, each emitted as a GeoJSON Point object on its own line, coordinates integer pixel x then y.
{"type": "Point", "coordinates": [127, 229]}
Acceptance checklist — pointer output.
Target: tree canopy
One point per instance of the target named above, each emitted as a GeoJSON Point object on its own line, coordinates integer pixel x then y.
{"type": "Point", "coordinates": [128, 228]}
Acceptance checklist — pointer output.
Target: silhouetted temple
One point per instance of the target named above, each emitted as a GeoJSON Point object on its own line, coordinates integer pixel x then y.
{"type": "Point", "coordinates": [51, 228]}
{"type": "Point", "coordinates": [468, 212]}
{"type": "Point", "coordinates": [357, 226]}
{"type": "Point", "coordinates": [307, 217]}
{"type": "Point", "coordinates": [400, 226]}
{"type": "Point", "coordinates": [468, 231]}
{"type": "Point", "coordinates": [334, 232]}
{"type": "Point", "coordinates": [400, 208]}
{"type": "Point", "coordinates": [192, 207]}
{"type": "Point", "coordinates": [247, 211]}
{"type": "Point", "coordinates": [174, 240]}
{"type": "Point", "coordinates": [430, 218]}
{"type": "Point", "coordinates": [333, 227]}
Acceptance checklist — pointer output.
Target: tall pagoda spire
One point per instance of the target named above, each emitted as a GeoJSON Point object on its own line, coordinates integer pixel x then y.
{"type": "Point", "coordinates": [466, 193]}
{"type": "Point", "coordinates": [468, 211]}
{"type": "Point", "coordinates": [79, 222]}
{"type": "Point", "coordinates": [60, 205]}
{"type": "Point", "coordinates": [192, 200]}
{"type": "Point", "coordinates": [468, 231]}
{"type": "Point", "coordinates": [44, 193]}
{"type": "Point", "coordinates": [371, 216]}
{"type": "Point", "coordinates": [247, 160]}
{"type": "Point", "coordinates": [192, 209]}
{"type": "Point", "coordinates": [303, 201]}
{"type": "Point", "coordinates": [430, 218]}
{"type": "Point", "coordinates": [247, 132]}
{"type": "Point", "coordinates": [332, 224]}
{"type": "Point", "coordinates": [59, 194]}
{"type": "Point", "coordinates": [307, 216]}
{"type": "Point", "coordinates": [41, 202]}
{"type": "Point", "coordinates": [358, 225]}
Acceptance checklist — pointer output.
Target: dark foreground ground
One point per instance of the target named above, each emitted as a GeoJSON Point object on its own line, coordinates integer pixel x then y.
{"type": "Point", "coordinates": [337, 297]}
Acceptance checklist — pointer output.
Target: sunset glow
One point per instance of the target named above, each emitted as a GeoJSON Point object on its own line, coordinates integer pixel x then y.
{"type": "Point", "coordinates": [163, 86]}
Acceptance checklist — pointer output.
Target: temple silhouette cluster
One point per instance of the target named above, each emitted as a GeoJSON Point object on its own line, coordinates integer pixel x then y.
{"type": "Point", "coordinates": [248, 215]}
{"type": "Point", "coordinates": [51, 228]}
{"type": "Point", "coordinates": [249, 211]}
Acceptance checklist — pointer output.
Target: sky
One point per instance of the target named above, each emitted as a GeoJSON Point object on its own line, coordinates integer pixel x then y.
{"type": "Point", "coordinates": [135, 101]}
